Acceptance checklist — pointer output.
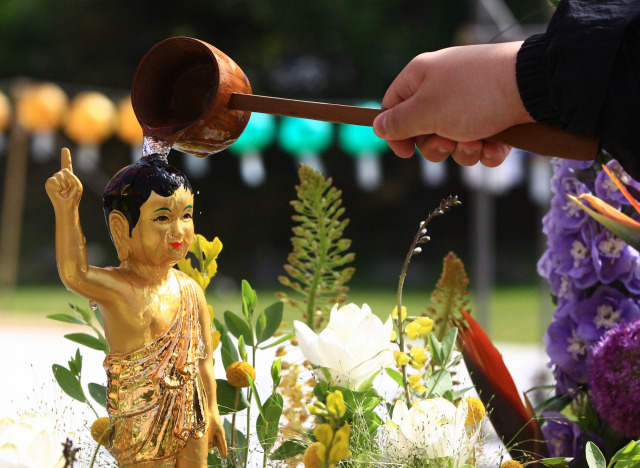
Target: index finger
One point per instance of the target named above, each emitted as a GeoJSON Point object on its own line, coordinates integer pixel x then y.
{"type": "Point", "coordinates": [65, 157]}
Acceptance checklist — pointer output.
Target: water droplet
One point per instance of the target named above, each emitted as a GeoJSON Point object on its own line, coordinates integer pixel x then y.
{"type": "Point", "coordinates": [198, 192]}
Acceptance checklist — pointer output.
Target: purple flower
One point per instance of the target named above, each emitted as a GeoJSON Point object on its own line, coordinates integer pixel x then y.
{"type": "Point", "coordinates": [575, 258]}
{"type": "Point", "coordinates": [614, 378]}
{"type": "Point", "coordinates": [613, 259]}
{"type": "Point", "coordinates": [607, 190]}
{"type": "Point", "coordinates": [567, 349]}
{"type": "Point", "coordinates": [563, 437]}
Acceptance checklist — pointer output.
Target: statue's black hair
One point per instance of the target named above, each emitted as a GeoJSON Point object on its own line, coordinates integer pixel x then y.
{"type": "Point", "coordinates": [131, 187]}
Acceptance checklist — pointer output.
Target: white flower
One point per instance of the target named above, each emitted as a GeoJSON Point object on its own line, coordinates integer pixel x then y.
{"type": "Point", "coordinates": [353, 348]}
{"type": "Point", "coordinates": [430, 429]}
{"type": "Point", "coordinates": [30, 442]}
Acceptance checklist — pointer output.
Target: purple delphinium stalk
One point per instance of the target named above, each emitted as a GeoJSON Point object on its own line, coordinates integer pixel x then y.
{"type": "Point", "coordinates": [614, 378]}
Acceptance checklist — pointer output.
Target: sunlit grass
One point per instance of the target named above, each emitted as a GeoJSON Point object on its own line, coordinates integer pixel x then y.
{"type": "Point", "coordinates": [516, 313]}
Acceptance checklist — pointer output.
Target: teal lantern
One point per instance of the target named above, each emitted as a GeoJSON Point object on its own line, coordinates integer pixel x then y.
{"type": "Point", "coordinates": [305, 140]}
{"type": "Point", "coordinates": [258, 135]}
{"type": "Point", "coordinates": [366, 148]}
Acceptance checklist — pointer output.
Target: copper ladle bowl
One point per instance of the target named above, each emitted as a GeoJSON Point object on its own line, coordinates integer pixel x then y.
{"type": "Point", "coordinates": [180, 94]}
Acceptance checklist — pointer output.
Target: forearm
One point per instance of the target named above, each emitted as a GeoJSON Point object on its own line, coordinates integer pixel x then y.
{"type": "Point", "coordinates": [209, 384]}
{"type": "Point", "coordinates": [71, 253]}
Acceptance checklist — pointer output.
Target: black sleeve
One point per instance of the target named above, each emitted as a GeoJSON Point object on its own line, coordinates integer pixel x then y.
{"type": "Point", "coordinates": [584, 74]}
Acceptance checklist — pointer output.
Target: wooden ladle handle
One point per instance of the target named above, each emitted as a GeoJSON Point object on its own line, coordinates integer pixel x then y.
{"type": "Point", "coordinates": [535, 138]}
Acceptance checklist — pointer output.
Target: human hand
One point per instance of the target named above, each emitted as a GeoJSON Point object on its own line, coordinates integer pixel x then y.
{"type": "Point", "coordinates": [64, 188]}
{"type": "Point", "coordinates": [446, 102]}
{"type": "Point", "coordinates": [215, 435]}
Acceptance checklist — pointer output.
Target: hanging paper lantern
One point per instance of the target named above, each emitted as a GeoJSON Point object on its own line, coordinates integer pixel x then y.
{"type": "Point", "coordinates": [129, 129]}
{"type": "Point", "coordinates": [5, 119]}
{"type": "Point", "coordinates": [259, 133]}
{"type": "Point", "coordinates": [366, 148]}
{"type": "Point", "coordinates": [91, 120]}
{"type": "Point", "coordinates": [5, 112]}
{"type": "Point", "coordinates": [41, 109]}
{"type": "Point", "coordinates": [305, 140]}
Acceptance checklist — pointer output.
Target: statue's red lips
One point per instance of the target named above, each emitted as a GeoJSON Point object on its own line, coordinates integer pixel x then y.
{"type": "Point", "coordinates": [176, 245]}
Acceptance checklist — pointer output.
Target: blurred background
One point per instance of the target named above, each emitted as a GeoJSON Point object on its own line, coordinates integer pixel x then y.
{"type": "Point", "coordinates": [335, 51]}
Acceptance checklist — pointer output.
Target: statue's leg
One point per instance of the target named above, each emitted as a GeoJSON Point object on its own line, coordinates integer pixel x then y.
{"type": "Point", "coordinates": [194, 453]}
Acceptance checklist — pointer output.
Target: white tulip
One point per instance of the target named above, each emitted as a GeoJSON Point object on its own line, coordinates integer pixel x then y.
{"type": "Point", "coordinates": [30, 442]}
{"type": "Point", "coordinates": [431, 430]}
{"type": "Point", "coordinates": [351, 350]}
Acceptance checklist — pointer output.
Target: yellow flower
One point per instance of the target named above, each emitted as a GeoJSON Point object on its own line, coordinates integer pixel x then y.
{"type": "Point", "coordinates": [335, 404]}
{"type": "Point", "coordinates": [315, 455]}
{"type": "Point", "coordinates": [418, 357]}
{"type": "Point", "coordinates": [215, 340]}
{"type": "Point", "coordinates": [401, 358]}
{"type": "Point", "coordinates": [476, 411]}
{"type": "Point", "coordinates": [511, 464]}
{"type": "Point", "coordinates": [403, 313]}
{"type": "Point", "coordinates": [202, 248]}
{"type": "Point", "coordinates": [415, 383]}
{"type": "Point", "coordinates": [100, 430]}
{"type": "Point", "coordinates": [339, 452]}
{"type": "Point", "coordinates": [237, 374]}
{"type": "Point", "coordinates": [345, 430]}
{"type": "Point", "coordinates": [426, 324]}
{"type": "Point", "coordinates": [323, 433]}
{"type": "Point", "coordinates": [393, 335]}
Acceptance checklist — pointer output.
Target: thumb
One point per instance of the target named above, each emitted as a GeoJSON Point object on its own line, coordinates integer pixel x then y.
{"type": "Point", "coordinates": [400, 122]}
{"type": "Point", "coordinates": [65, 158]}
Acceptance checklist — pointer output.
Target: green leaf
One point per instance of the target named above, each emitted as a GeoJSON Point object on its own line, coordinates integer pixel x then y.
{"type": "Point", "coordinates": [249, 294]}
{"type": "Point", "coordinates": [595, 459]}
{"type": "Point", "coordinates": [68, 383]}
{"type": "Point", "coordinates": [65, 318]}
{"type": "Point", "coordinates": [241, 348]}
{"type": "Point", "coordinates": [289, 448]}
{"type": "Point", "coordinates": [83, 312]}
{"type": "Point", "coordinates": [271, 317]}
{"type": "Point", "coordinates": [448, 345]}
{"type": "Point", "coordinates": [395, 375]}
{"type": "Point", "coordinates": [276, 373]}
{"type": "Point", "coordinates": [439, 383]}
{"type": "Point", "coordinates": [226, 394]}
{"type": "Point", "coordinates": [88, 340]}
{"type": "Point", "coordinates": [228, 351]}
{"type": "Point", "coordinates": [436, 349]}
{"type": "Point", "coordinates": [557, 461]}
{"type": "Point", "coordinates": [280, 340]}
{"type": "Point", "coordinates": [629, 452]}
{"type": "Point", "coordinates": [267, 427]}
{"type": "Point", "coordinates": [238, 327]}
{"type": "Point", "coordinates": [98, 393]}
{"type": "Point", "coordinates": [256, 394]}
{"type": "Point", "coordinates": [98, 315]}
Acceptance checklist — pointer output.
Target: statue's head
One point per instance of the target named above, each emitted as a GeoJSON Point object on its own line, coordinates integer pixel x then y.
{"type": "Point", "coordinates": [147, 196]}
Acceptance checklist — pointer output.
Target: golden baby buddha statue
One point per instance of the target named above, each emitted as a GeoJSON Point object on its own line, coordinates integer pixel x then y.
{"type": "Point", "coordinates": [161, 390]}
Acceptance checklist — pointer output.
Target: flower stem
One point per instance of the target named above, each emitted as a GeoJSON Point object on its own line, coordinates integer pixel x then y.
{"type": "Point", "coordinates": [95, 454]}
{"type": "Point", "coordinates": [232, 439]}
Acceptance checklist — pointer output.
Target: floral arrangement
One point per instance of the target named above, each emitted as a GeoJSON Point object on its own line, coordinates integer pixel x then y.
{"type": "Point", "coordinates": [594, 273]}
{"type": "Point", "coordinates": [387, 392]}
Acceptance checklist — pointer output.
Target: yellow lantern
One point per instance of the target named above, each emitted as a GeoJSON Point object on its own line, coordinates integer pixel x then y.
{"type": "Point", "coordinates": [5, 112]}
{"type": "Point", "coordinates": [92, 118]}
{"type": "Point", "coordinates": [41, 107]}
{"type": "Point", "coordinates": [129, 129]}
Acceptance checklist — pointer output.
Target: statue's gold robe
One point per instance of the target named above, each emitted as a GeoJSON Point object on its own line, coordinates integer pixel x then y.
{"type": "Point", "coordinates": [155, 397]}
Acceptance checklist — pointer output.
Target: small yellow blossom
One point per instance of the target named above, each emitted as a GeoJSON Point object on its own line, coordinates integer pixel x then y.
{"type": "Point", "coordinates": [476, 411]}
{"type": "Point", "coordinates": [100, 430]}
{"type": "Point", "coordinates": [335, 404]}
{"type": "Point", "coordinates": [415, 383]}
{"type": "Point", "coordinates": [339, 452]}
{"type": "Point", "coordinates": [323, 433]}
{"type": "Point", "coordinates": [511, 464]}
{"type": "Point", "coordinates": [412, 330]}
{"type": "Point", "coordinates": [426, 324]}
{"type": "Point", "coordinates": [418, 357]}
{"type": "Point", "coordinates": [345, 430]}
{"type": "Point", "coordinates": [393, 335]}
{"type": "Point", "coordinates": [401, 358]}
{"type": "Point", "coordinates": [215, 340]}
{"type": "Point", "coordinates": [403, 313]}
{"type": "Point", "coordinates": [237, 374]}
{"type": "Point", "coordinates": [315, 455]}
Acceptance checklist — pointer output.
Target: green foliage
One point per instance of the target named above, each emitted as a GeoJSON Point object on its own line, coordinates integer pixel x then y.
{"type": "Point", "coordinates": [317, 271]}
{"type": "Point", "coordinates": [450, 294]}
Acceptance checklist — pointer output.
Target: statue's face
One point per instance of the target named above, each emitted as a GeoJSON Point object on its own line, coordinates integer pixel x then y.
{"type": "Point", "coordinates": [165, 229]}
